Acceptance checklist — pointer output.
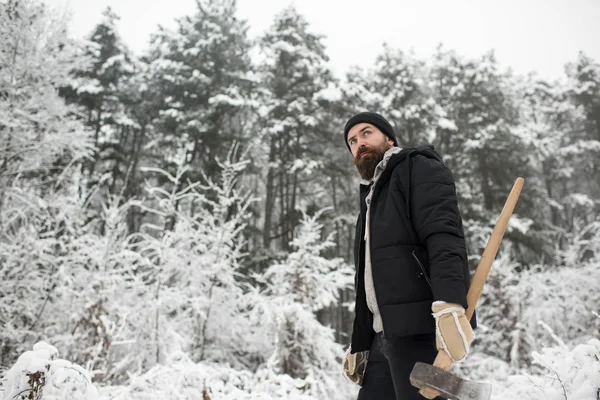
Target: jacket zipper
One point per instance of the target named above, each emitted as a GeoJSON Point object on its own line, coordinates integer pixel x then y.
{"type": "Point", "coordinates": [423, 270]}
{"type": "Point", "coordinates": [362, 234]}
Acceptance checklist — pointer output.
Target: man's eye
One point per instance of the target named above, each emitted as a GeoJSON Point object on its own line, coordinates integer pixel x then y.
{"type": "Point", "coordinates": [367, 133]}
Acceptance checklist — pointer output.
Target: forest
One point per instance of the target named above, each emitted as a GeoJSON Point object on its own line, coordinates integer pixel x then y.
{"type": "Point", "coordinates": [180, 224]}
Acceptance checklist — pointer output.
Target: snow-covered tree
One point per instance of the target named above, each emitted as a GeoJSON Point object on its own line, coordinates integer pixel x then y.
{"type": "Point", "coordinates": [562, 151]}
{"type": "Point", "coordinates": [38, 134]}
{"type": "Point", "coordinates": [297, 287]}
{"type": "Point", "coordinates": [584, 74]}
{"type": "Point", "coordinates": [172, 287]}
{"type": "Point", "coordinates": [40, 142]}
{"type": "Point", "coordinates": [584, 149]}
{"type": "Point", "coordinates": [107, 93]}
{"type": "Point", "coordinates": [199, 78]}
{"type": "Point", "coordinates": [197, 296]}
{"type": "Point", "coordinates": [397, 87]}
{"type": "Point", "coordinates": [484, 153]}
{"type": "Point", "coordinates": [294, 74]}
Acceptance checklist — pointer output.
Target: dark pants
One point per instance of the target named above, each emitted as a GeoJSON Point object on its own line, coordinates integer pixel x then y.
{"type": "Point", "coordinates": [389, 366]}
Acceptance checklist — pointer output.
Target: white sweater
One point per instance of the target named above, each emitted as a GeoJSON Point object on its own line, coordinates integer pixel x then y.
{"type": "Point", "coordinates": [369, 286]}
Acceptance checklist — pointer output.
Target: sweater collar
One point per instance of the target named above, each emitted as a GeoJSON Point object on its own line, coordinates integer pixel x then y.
{"type": "Point", "coordinates": [381, 166]}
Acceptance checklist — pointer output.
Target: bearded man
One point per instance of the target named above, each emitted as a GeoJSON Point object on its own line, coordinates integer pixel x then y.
{"type": "Point", "coordinates": [412, 274]}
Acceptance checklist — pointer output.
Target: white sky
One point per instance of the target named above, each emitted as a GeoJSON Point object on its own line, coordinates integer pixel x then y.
{"type": "Point", "coordinates": [527, 35]}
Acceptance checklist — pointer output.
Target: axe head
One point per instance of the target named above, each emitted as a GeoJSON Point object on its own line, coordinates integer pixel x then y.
{"type": "Point", "coordinates": [449, 385]}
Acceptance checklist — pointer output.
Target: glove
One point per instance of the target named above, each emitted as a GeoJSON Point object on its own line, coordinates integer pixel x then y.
{"type": "Point", "coordinates": [453, 332]}
{"type": "Point", "coordinates": [354, 366]}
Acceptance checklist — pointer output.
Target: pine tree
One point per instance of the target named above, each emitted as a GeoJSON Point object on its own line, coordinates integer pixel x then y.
{"type": "Point", "coordinates": [483, 151]}
{"type": "Point", "coordinates": [546, 117]}
{"type": "Point", "coordinates": [397, 88]}
{"type": "Point", "coordinates": [583, 151]}
{"type": "Point", "coordinates": [103, 93]}
{"type": "Point", "coordinates": [294, 74]}
{"type": "Point", "coordinates": [299, 286]}
{"type": "Point", "coordinates": [199, 79]}
{"type": "Point", "coordinates": [585, 76]}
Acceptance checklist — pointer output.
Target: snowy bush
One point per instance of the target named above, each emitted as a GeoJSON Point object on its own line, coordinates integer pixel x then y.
{"type": "Point", "coordinates": [513, 302]}
{"type": "Point", "coordinates": [41, 143]}
{"type": "Point", "coordinates": [182, 379]}
{"type": "Point", "coordinates": [172, 287]}
{"type": "Point", "coordinates": [303, 283]}
{"type": "Point", "coordinates": [40, 375]}
{"type": "Point", "coordinates": [567, 374]}
{"type": "Point", "coordinates": [191, 270]}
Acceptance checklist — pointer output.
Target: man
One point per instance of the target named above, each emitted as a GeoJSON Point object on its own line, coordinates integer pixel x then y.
{"type": "Point", "coordinates": [412, 274]}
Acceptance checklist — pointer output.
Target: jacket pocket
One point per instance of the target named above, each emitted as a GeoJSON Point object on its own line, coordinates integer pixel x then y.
{"type": "Point", "coordinates": [424, 272]}
{"type": "Point", "coordinates": [407, 319]}
{"type": "Point", "coordinates": [397, 276]}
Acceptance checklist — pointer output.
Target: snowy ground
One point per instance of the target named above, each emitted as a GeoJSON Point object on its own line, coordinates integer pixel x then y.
{"type": "Point", "coordinates": [565, 373]}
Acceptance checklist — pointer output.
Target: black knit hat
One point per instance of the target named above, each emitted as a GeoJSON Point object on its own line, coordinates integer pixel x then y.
{"type": "Point", "coordinates": [373, 119]}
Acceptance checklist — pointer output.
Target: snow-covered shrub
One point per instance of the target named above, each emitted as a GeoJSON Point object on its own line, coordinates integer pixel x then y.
{"type": "Point", "coordinates": [501, 333]}
{"type": "Point", "coordinates": [41, 143]}
{"type": "Point", "coordinates": [82, 317]}
{"type": "Point", "coordinates": [195, 297]}
{"type": "Point", "coordinates": [182, 379]}
{"type": "Point", "coordinates": [583, 245]}
{"type": "Point", "coordinates": [566, 374]}
{"type": "Point", "coordinates": [173, 287]}
{"type": "Point", "coordinates": [296, 288]}
{"type": "Point", "coordinates": [565, 297]}
{"type": "Point", "coordinates": [515, 300]}
{"type": "Point", "coordinates": [40, 375]}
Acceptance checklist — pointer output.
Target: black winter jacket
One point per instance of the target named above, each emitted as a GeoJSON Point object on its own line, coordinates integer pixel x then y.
{"type": "Point", "coordinates": [415, 225]}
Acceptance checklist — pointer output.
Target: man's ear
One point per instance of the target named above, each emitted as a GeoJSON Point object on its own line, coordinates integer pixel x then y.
{"type": "Point", "coordinates": [390, 142]}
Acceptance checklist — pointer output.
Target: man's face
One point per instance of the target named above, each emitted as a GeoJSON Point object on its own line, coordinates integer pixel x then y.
{"type": "Point", "coordinates": [368, 145]}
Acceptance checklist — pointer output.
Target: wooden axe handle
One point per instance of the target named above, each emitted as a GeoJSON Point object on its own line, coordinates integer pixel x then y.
{"type": "Point", "coordinates": [483, 269]}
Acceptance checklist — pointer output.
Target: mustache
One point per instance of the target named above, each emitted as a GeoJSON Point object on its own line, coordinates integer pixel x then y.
{"type": "Point", "coordinates": [363, 150]}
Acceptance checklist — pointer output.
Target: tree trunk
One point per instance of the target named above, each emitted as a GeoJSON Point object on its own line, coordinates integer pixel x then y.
{"type": "Point", "coordinates": [269, 197]}
{"type": "Point", "coordinates": [485, 182]}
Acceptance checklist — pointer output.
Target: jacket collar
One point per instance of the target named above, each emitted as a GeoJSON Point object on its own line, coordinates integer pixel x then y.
{"type": "Point", "coordinates": [381, 166]}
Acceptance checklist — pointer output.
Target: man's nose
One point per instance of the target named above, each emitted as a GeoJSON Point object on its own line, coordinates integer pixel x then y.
{"type": "Point", "coordinates": [360, 146]}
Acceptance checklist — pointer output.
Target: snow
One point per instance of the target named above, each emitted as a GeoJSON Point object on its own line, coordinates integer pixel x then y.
{"type": "Point", "coordinates": [520, 224]}
{"type": "Point", "coordinates": [567, 373]}
{"type": "Point", "coordinates": [445, 123]}
{"type": "Point", "coordinates": [175, 308]}
{"type": "Point", "coordinates": [124, 120]}
{"type": "Point", "coordinates": [182, 379]}
{"type": "Point", "coordinates": [580, 147]}
{"type": "Point", "coordinates": [580, 199]}
{"type": "Point", "coordinates": [172, 113]}
{"type": "Point", "coordinates": [112, 61]}
{"type": "Point", "coordinates": [91, 87]}
{"type": "Point", "coordinates": [330, 93]}
{"type": "Point", "coordinates": [57, 379]}
{"type": "Point", "coordinates": [284, 46]}
{"type": "Point", "coordinates": [226, 100]}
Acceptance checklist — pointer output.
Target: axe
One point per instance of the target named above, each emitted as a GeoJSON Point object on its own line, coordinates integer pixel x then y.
{"type": "Point", "coordinates": [435, 380]}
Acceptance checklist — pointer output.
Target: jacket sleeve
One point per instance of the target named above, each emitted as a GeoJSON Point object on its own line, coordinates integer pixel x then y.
{"type": "Point", "coordinates": [438, 223]}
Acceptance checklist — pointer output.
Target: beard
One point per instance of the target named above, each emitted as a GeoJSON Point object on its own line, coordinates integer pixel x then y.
{"type": "Point", "coordinates": [366, 165]}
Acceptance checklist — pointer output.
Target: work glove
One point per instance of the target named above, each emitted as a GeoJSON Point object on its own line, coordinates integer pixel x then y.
{"type": "Point", "coordinates": [354, 366]}
{"type": "Point", "coordinates": [453, 332]}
